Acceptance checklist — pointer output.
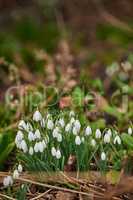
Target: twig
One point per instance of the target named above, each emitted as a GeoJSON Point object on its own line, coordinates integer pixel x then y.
{"type": "Point", "coordinates": [41, 195]}
{"type": "Point", "coordinates": [56, 187]}
{"type": "Point", "coordinates": [7, 197]}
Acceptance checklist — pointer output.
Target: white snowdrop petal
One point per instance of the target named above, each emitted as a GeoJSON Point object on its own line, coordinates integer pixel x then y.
{"type": "Point", "coordinates": [58, 154]}
{"type": "Point", "coordinates": [68, 127]}
{"type": "Point", "coordinates": [83, 139]}
{"type": "Point", "coordinates": [59, 137]}
{"type": "Point", "coordinates": [93, 142]}
{"type": "Point", "coordinates": [53, 151]}
{"type": "Point", "coordinates": [77, 125]}
{"type": "Point", "coordinates": [7, 181]}
{"type": "Point", "coordinates": [31, 151]}
{"type": "Point", "coordinates": [77, 140]}
{"type": "Point", "coordinates": [29, 127]}
{"type": "Point", "coordinates": [71, 113]}
{"type": "Point", "coordinates": [98, 134]}
{"type": "Point", "coordinates": [55, 132]}
{"type": "Point", "coordinates": [88, 131]}
{"type": "Point", "coordinates": [24, 146]}
{"type": "Point", "coordinates": [61, 122]}
{"type": "Point", "coordinates": [50, 124]}
{"type": "Point", "coordinates": [22, 125]}
{"type": "Point", "coordinates": [130, 131]}
{"type": "Point", "coordinates": [117, 140]}
{"type": "Point", "coordinates": [31, 136]}
{"type": "Point", "coordinates": [106, 138]}
{"type": "Point", "coordinates": [74, 131]}
{"type": "Point", "coordinates": [36, 147]}
{"type": "Point", "coordinates": [37, 134]}
{"type": "Point", "coordinates": [15, 174]}
{"type": "Point", "coordinates": [20, 168]}
{"type": "Point", "coordinates": [103, 156]}
{"type": "Point", "coordinates": [37, 116]}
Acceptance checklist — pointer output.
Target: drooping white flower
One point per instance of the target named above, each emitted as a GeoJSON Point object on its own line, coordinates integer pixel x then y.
{"type": "Point", "coordinates": [77, 140]}
{"type": "Point", "coordinates": [37, 116]}
{"type": "Point", "coordinates": [22, 125]}
{"type": "Point", "coordinates": [20, 168]}
{"type": "Point", "coordinates": [61, 122]}
{"type": "Point", "coordinates": [74, 130]}
{"type": "Point", "coordinates": [59, 137]}
{"type": "Point", "coordinates": [42, 123]}
{"type": "Point", "coordinates": [7, 181]}
{"type": "Point", "coordinates": [19, 136]}
{"type": "Point", "coordinates": [88, 131]}
{"type": "Point", "coordinates": [98, 134]}
{"type": "Point", "coordinates": [50, 124]}
{"type": "Point", "coordinates": [15, 174]}
{"type": "Point", "coordinates": [117, 140]}
{"type": "Point", "coordinates": [58, 154]}
{"type": "Point", "coordinates": [36, 147]}
{"type": "Point", "coordinates": [68, 127]}
{"type": "Point", "coordinates": [93, 142]}
{"type": "Point", "coordinates": [55, 132]}
{"type": "Point", "coordinates": [77, 125]}
{"type": "Point", "coordinates": [31, 151]}
{"type": "Point", "coordinates": [31, 136]}
{"type": "Point", "coordinates": [130, 131]}
{"type": "Point", "coordinates": [29, 127]}
{"type": "Point", "coordinates": [109, 132]}
{"type": "Point", "coordinates": [103, 156]}
{"type": "Point", "coordinates": [72, 120]}
{"type": "Point", "coordinates": [24, 146]}
{"type": "Point", "coordinates": [40, 147]}
{"type": "Point", "coordinates": [71, 114]}
{"type": "Point", "coordinates": [53, 151]}
{"type": "Point", "coordinates": [106, 138]}
{"type": "Point", "coordinates": [37, 134]}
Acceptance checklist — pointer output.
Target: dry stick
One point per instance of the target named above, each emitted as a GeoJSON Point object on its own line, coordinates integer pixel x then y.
{"type": "Point", "coordinates": [41, 195]}
{"type": "Point", "coordinates": [56, 187]}
{"type": "Point", "coordinates": [7, 197]}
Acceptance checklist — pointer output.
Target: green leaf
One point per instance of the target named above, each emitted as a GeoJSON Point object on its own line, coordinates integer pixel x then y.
{"type": "Point", "coordinates": [127, 140]}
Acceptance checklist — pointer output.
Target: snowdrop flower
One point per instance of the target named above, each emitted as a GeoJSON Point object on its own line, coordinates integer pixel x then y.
{"type": "Point", "coordinates": [88, 131]}
{"type": "Point", "coordinates": [68, 127]}
{"type": "Point", "coordinates": [37, 116]}
{"type": "Point", "coordinates": [15, 174]}
{"type": "Point", "coordinates": [61, 122]}
{"type": "Point", "coordinates": [31, 136]}
{"type": "Point", "coordinates": [22, 125]}
{"type": "Point", "coordinates": [24, 146]}
{"type": "Point", "coordinates": [117, 140]}
{"type": "Point", "coordinates": [42, 123]}
{"type": "Point", "coordinates": [36, 147]}
{"type": "Point", "coordinates": [31, 151]}
{"type": "Point", "coordinates": [55, 132]}
{"type": "Point", "coordinates": [130, 131]}
{"type": "Point", "coordinates": [37, 134]}
{"type": "Point", "coordinates": [103, 156]}
{"type": "Point", "coordinates": [20, 168]}
{"type": "Point", "coordinates": [109, 132]}
{"type": "Point", "coordinates": [58, 154]}
{"type": "Point", "coordinates": [93, 142]}
{"type": "Point", "coordinates": [72, 120]}
{"type": "Point", "coordinates": [106, 138]}
{"type": "Point", "coordinates": [77, 125]}
{"type": "Point", "coordinates": [19, 136]}
{"type": "Point", "coordinates": [77, 140]}
{"type": "Point", "coordinates": [7, 181]}
{"type": "Point", "coordinates": [29, 127]}
{"type": "Point", "coordinates": [53, 151]}
{"type": "Point", "coordinates": [75, 132]}
{"type": "Point", "coordinates": [59, 137]}
{"type": "Point", "coordinates": [40, 147]}
{"type": "Point", "coordinates": [71, 113]}
{"type": "Point", "coordinates": [50, 124]}
{"type": "Point", "coordinates": [98, 134]}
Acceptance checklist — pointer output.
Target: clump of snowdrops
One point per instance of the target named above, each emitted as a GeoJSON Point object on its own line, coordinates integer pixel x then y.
{"type": "Point", "coordinates": [46, 142]}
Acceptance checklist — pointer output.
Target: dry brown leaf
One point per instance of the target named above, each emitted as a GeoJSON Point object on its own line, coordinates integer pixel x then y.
{"type": "Point", "coordinates": [65, 196]}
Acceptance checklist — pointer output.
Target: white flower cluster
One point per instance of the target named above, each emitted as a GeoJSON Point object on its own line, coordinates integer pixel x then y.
{"type": "Point", "coordinates": [8, 181]}
{"type": "Point", "coordinates": [54, 135]}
